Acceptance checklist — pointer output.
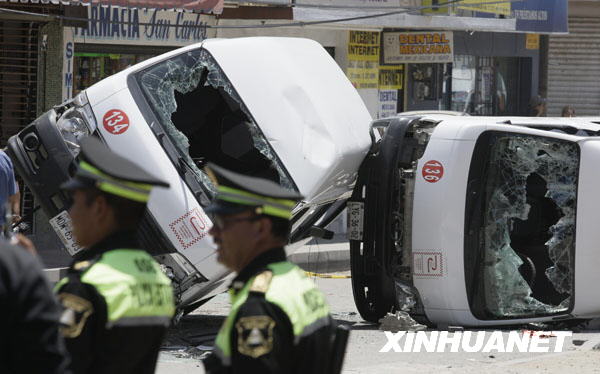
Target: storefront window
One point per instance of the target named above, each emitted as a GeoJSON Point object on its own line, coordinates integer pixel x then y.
{"type": "Point", "coordinates": [463, 82]}
{"type": "Point", "coordinates": [485, 86]}
{"type": "Point", "coordinates": [90, 68]}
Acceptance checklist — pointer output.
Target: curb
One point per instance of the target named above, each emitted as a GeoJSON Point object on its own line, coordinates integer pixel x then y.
{"type": "Point", "coordinates": [322, 258]}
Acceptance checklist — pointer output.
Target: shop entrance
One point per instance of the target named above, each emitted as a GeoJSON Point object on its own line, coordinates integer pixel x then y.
{"type": "Point", "coordinates": [425, 84]}
{"type": "Point", "coordinates": [490, 86]}
{"type": "Point", "coordinates": [475, 85]}
{"type": "Point", "coordinates": [94, 62]}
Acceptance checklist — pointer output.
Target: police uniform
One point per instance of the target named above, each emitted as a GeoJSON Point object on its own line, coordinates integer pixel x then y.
{"type": "Point", "coordinates": [117, 303]}
{"type": "Point", "coordinates": [29, 338]}
{"type": "Point", "coordinates": [279, 321]}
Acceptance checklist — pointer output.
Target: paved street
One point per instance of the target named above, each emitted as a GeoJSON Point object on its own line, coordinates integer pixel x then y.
{"type": "Point", "coordinates": [366, 340]}
{"type": "Point", "coordinates": [194, 336]}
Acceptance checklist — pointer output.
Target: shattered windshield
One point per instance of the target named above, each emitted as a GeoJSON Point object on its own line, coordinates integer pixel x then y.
{"type": "Point", "coordinates": [520, 226]}
{"type": "Point", "coordinates": [206, 120]}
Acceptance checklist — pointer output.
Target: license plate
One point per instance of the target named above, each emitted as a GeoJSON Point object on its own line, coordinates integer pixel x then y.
{"type": "Point", "coordinates": [355, 211]}
{"type": "Point", "coordinates": [61, 224]}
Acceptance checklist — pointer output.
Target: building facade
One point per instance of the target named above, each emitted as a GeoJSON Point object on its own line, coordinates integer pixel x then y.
{"type": "Point", "coordinates": [401, 55]}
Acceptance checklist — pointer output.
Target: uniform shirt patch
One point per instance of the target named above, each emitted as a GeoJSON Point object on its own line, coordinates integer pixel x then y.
{"type": "Point", "coordinates": [76, 311]}
{"type": "Point", "coordinates": [262, 282]}
{"type": "Point", "coordinates": [255, 335]}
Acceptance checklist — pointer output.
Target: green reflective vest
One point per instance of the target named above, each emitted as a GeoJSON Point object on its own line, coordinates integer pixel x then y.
{"type": "Point", "coordinates": [135, 289]}
{"type": "Point", "coordinates": [292, 291]}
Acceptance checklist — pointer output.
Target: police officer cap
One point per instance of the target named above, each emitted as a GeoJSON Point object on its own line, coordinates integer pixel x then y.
{"type": "Point", "coordinates": [237, 193]}
{"type": "Point", "coordinates": [101, 168]}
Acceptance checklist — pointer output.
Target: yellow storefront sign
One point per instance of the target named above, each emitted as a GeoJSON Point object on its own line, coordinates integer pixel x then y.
{"type": "Point", "coordinates": [363, 59]}
{"type": "Point", "coordinates": [486, 6]}
{"type": "Point", "coordinates": [418, 47]}
{"type": "Point", "coordinates": [391, 77]}
{"type": "Point", "coordinates": [363, 74]}
{"type": "Point", "coordinates": [364, 45]}
{"type": "Point", "coordinates": [532, 41]}
{"type": "Point", "coordinates": [435, 7]}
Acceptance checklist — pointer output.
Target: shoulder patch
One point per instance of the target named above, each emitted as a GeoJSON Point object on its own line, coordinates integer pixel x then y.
{"type": "Point", "coordinates": [255, 335]}
{"type": "Point", "coordinates": [76, 311]}
{"type": "Point", "coordinates": [262, 282]}
{"type": "Point", "coordinates": [81, 265]}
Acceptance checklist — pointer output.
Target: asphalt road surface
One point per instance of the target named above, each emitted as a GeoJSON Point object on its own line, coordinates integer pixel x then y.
{"type": "Point", "coordinates": [190, 340]}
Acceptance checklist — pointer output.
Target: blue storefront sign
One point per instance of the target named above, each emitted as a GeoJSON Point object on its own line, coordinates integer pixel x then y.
{"type": "Point", "coordinates": [538, 16]}
{"type": "Point", "coordinates": [541, 16]}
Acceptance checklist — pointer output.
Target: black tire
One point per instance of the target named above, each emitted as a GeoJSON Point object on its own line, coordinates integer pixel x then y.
{"type": "Point", "coordinates": [374, 295]}
{"type": "Point", "coordinates": [378, 188]}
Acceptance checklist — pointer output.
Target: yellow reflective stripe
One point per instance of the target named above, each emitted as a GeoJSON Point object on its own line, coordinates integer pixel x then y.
{"type": "Point", "coordinates": [273, 207]}
{"type": "Point", "coordinates": [141, 197]}
{"type": "Point", "coordinates": [223, 339]}
{"type": "Point", "coordinates": [60, 283]}
{"type": "Point", "coordinates": [305, 306]}
{"type": "Point", "coordinates": [264, 209]}
{"type": "Point", "coordinates": [141, 186]}
{"type": "Point", "coordinates": [284, 203]}
{"type": "Point", "coordinates": [272, 211]}
{"type": "Point", "coordinates": [132, 285]}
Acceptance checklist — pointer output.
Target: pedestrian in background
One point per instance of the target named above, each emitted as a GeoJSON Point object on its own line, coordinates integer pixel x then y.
{"type": "Point", "coordinates": [9, 191]}
{"type": "Point", "coordinates": [568, 111]}
{"type": "Point", "coordinates": [537, 106]}
{"type": "Point", "coordinates": [279, 321]}
{"type": "Point", "coordinates": [117, 302]}
{"type": "Point", "coordinates": [30, 341]}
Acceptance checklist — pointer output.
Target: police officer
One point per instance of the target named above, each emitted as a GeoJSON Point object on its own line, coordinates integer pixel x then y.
{"type": "Point", "coordinates": [29, 338]}
{"type": "Point", "coordinates": [279, 321]}
{"type": "Point", "coordinates": [117, 302]}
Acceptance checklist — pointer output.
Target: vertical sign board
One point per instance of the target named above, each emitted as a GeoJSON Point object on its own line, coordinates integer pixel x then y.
{"type": "Point", "coordinates": [532, 41]}
{"type": "Point", "coordinates": [418, 47]}
{"type": "Point", "coordinates": [390, 82]}
{"type": "Point", "coordinates": [388, 103]}
{"type": "Point", "coordinates": [363, 59]}
{"type": "Point", "coordinates": [67, 70]}
{"type": "Point", "coordinates": [391, 77]}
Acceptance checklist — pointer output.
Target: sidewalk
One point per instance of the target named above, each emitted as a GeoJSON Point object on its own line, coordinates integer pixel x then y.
{"type": "Point", "coordinates": [318, 256]}
{"type": "Point", "coordinates": [323, 256]}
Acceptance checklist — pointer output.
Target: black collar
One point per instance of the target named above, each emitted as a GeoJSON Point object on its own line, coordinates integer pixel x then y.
{"type": "Point", "coordinates": [119, 239]}
{"type": "Point", "coordinates": [259, 263]}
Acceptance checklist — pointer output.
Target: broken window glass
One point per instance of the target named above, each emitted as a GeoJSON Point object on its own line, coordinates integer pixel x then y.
{"type": "Point", "coordinates": [525, 231]}
{"type": "Point", "coordinates": [202, 114]}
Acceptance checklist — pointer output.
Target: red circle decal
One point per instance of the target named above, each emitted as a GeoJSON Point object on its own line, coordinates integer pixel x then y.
{"type": "Point", "coordinates": [115, 121]}
{"type": "Point", "coordinates": [433, 171]}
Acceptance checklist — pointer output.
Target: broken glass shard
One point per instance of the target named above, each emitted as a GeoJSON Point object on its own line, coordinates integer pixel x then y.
{"type": "Point", "coordinates": [528, 226]}
{"type": "Point", "coordinates": [206, 120]}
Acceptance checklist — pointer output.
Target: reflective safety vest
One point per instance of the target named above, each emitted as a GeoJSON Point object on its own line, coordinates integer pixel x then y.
{"type": "Point", "coordinates": [288, 287]}
{"type": "Point", "coordinates": [135, 289]}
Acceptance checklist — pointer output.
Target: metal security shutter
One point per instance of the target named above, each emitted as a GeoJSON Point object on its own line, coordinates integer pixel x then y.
{"type": "Point", "coordinates": [18, 87]}
{"type": "Point", "coordinates": [18, 76]}
{"type": "Point", "coordinates": [574, 68]}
